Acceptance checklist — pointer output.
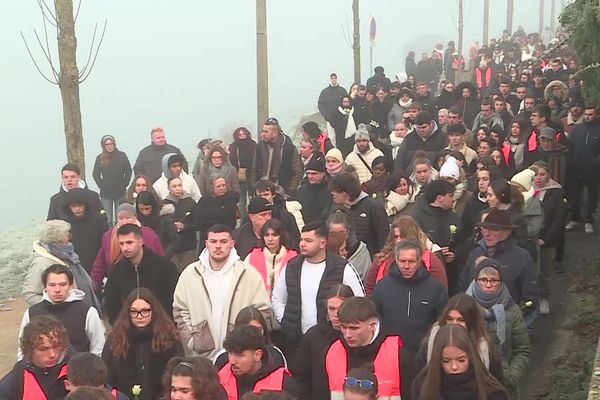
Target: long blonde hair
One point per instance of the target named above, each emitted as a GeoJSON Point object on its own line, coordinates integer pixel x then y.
{"type": "Point", "coordinates": [409, 230]}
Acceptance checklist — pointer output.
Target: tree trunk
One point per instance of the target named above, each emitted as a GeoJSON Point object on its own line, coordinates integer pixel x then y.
{"type": "Point", "coordinates": [552, 15]}
{"type": "Point", "coordinates": [486, 21]}
{"type": "Point", "coordinates": [69, 83]}
{"type": "Point", "coordinates": [510, 10]}
{"type": "Point", "coordinates": [262, 65]}
{"type": "Point", "coordinates": [461, 26]}
{"type": "Point", "coordinates": [356, 40]}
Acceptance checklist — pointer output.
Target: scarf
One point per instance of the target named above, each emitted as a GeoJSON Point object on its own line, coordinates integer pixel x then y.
{"type": "Point", "coordinates": [223, 170]}
{"type": "Point", "coordinates": [333, 171]}
{"type": "Point", "coordinates": [497, 302]}
{"type": "Point", "coordinates": [66, 252]}
{"type": "Point", "coordinates": [377, 185]}
{"type": "Point", "coordinates": [271, 159]}
{"type": "Point", "coordinates": [459, 386]}
{"type": "Point", "coordinates": [395, 143]}
{"type": "Point", "coordinates": [404, 104]}
{"type": "Point", "coordinates": [516, 147]}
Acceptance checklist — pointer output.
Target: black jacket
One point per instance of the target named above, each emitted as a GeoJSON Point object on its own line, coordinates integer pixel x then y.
{"type": "Point", "coordinates": [215, 210]}
{"type": "Point", "coordinates": [369, 221]}
{"type": "Point", "coordinates": [519, 276]}
{"type": "Point", "coordinates": [280, 212]}
{"type": "Point", "coordinates": [314, 199]}
{"type": "Point", "coordinates": [141, 367]}
{"type": "Point", "coordinates": [290, 169]}
{"type": "Point", "coordinates": [245, 240]}
{"type": "Point", "coordinates": [87, 231]}
{"type": "Point", "coordinates": [308, 365]}
{"type": "Point", "coordinates": [291, 324]}
{"type": "Point", "coordinates": [436, 222]}
{"type": "Point", "coordinates": [112, 178]}
{"type": "Point", "coordinates": [428, 103]}
{"type": "Point", "coordinates": [408, 308]}
{"type": "Point", "coordinates": [555, 211]}
{"type": "Point", "coordinates": [413, 142]}
{"type": "Point", "coordinates": [174, 241]}
{"type": "Point", "coordinates": [154, 272]}
{"type": "Point", "coordinates": [585, 150]}
{"type": "Point", "coordinates": [11, 385]}
{"type": "Point", "coordinates": [56, 210]}
{"type": "Point", "coordinates": [149, 161]}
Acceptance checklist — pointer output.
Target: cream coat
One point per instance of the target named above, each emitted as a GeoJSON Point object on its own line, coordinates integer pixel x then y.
{"type": "Point", "coordinates": [192, 305]}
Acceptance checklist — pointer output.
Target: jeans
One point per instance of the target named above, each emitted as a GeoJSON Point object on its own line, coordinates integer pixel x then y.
{"type": "Point", "coordinates": [110, 207]}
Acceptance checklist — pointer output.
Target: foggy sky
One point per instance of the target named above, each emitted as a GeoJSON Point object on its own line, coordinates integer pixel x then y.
{"type": "Point", "coordinates": [190, 67]}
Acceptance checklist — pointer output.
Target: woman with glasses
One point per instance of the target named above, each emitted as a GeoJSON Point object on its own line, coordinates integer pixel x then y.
{"type": "Point", "coordinates": [217, 163]}
{"type": "Point", "coordinates": [142, 341]}
{"type": "Point", "coordinates": [192, 378]}
{"type": "Point", "coordinates": [455, 371]}
{"type": "Point", "coordinates": [504, 320]}
{"type": "Point", "coordinates": [360, 384]}
{"type": "Point", "coordinates": [112, 173]}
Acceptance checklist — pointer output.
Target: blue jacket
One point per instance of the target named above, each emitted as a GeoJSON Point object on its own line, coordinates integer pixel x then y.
{"type": "Point", "coordinates": [519, 276]}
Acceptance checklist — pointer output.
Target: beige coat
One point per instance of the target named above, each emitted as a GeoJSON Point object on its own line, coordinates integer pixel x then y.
{"type": "Point", "coordinates": [192, 305]}
{"type": "Point", "coordinates": [33, 287]}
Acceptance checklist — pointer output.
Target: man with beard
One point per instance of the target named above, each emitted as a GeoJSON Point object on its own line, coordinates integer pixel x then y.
{"type": "Point", "coordinates": [426, 136]}
{"type": "Point", "coordinates": [298, 295]}
{"type": "Point", "coordinates": [574, 117]}
{"type": "Point", "coordinates": [139, 267]}
{"type": "Point", "coordinates": [343, 122]}
{"type": "Point", "coordinates": [363, 154]}
{"type": "Point", "coordinates": [149, 161]}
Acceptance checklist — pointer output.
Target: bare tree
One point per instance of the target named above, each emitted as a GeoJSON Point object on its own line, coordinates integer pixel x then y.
{"type": "Point", "coordinates": [67, 77]}
{"type": "Point", "coordinates": [486, 21]}
{"type": "Point", "coordinates": [356, 40]}
{"type": "Point", "coordinates": [262, 65]}
{"type": "Point", "coordinates": [541, 20]}
{"type": "Point", "coordinates": [510, 10]}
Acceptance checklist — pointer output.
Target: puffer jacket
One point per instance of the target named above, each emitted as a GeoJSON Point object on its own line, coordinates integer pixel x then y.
{"type": "Point", "coordinates": [517, 348]}
{"type": "Point", "coordinates": [554, 205]}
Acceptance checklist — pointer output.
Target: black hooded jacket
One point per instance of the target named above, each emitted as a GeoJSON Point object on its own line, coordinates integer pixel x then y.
{"type": "Point", "coordinates": [314, 199]}
{"type": "Point", "coordinates": [86, 231]}
{"type": "Point", "coordinates": [56, 210]}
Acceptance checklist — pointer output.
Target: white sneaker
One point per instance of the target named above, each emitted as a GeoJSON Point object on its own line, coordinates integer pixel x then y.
{"type": "Point", "coordinates": [589, 228]}
{"type": "Point", "coordinates": [571, 225]}
{"type": "Point", "coordinates": [544, 307]}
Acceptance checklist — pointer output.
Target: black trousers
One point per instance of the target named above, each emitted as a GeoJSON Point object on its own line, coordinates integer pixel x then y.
{"type": "Point", "coordinates": [576, 187]}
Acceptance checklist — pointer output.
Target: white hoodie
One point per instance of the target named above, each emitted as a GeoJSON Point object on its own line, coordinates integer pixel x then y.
{"type": "Point", "coordinates": [94, 328]}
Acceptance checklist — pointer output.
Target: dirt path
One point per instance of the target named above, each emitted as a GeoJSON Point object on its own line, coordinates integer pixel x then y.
{"type": "Point", "coordinates": [9, 328]}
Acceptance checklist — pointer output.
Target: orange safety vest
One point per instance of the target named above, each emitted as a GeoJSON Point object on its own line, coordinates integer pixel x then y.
{"type": "Point", "coordinates": [426, 258]}
{"type": "Point", "coordinates": [481, 80]}
{"type": "Point", "coordinates": [506, 153]}
{"type": "Point", "coordinates": [273, 381]}
{"type": "Point", "coordinates": [257, 260]}
{"type": "Point", "coordinates": [386, 365]}
{"type": "Point", "coordinates": [31, 387]}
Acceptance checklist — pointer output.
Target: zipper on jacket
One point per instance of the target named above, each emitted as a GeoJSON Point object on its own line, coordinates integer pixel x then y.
{"type": "Point", "coordinates": [408, 308]}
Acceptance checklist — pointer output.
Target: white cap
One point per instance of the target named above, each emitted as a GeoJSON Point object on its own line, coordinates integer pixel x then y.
{"type": "Point", "coordinates": [450, 169]}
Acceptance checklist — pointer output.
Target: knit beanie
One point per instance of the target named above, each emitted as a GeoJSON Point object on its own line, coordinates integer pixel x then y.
{"type": "Point", "coordinates": [524, 178]}
{"type": "Point", "coordinates": [362, 133]}
{"type": "Point", "coordinates": [336, 154]}
{"type": "Point", "coordinates": [450, 169]}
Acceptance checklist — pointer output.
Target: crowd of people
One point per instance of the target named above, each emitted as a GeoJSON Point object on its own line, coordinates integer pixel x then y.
{"type": "Point", "coordinates": [405, 249]}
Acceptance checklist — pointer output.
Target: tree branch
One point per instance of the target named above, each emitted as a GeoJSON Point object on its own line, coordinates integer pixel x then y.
{"type": "Point", "coordinates": [77, 12]}
{"type": "Point", "coordinates": [42, 4]}
{"type": "Point", "coordinates": [46, 54]}
{"type": "Point", "coordinates": [35, 63]}
{"type": "Point", "coordinates": [49, 52]}
{"type": "Point", "coordinates": [87, 63]}
{"type": "Point", "coordinates": [89, 71]}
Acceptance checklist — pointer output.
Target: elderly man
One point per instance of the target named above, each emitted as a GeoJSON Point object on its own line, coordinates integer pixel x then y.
{"type": "Point", "coordinates": [411, 288]}
{"type": "Point", "coordinates": [497, 243]}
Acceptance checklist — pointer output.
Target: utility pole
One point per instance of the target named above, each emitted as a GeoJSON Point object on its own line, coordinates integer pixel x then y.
{"type": "Point", "coordinates": [461, 25]}
{"type": "Point", "coordinates": [262, 65]}
{"type": "Point", "coordinates": [486, 21]}
{"type": "Point", "coordinates": [552, 15]}
{"type": "Point", "coordinates": [510, 10]}
{"type": "Point", "coordinates": [541, 24]}
{"type": "Point", "coordinates": [356, 40]}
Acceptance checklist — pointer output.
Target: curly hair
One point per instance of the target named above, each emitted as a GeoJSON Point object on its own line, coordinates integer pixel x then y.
{"type": "Point", "coordinates": [216, 149]}
{"type": "Point", "coordinates": [409, 230]}
{"type": "Point", "coordinates": [40, 327]}
{"type": "Point", "coordinates": [205, 382]}
{"type": "Point", "coordinates": [164, 333]}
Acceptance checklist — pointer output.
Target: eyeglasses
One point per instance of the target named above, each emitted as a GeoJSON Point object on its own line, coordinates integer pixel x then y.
{"type": "Point", "coordinates": [486, 281]}
{"type": "Point", "coordinates": [144, 313]}
{"type": "Point", "coordinates": [364, 384]}
{"type": "Point", "coordinates": [109, 144]}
